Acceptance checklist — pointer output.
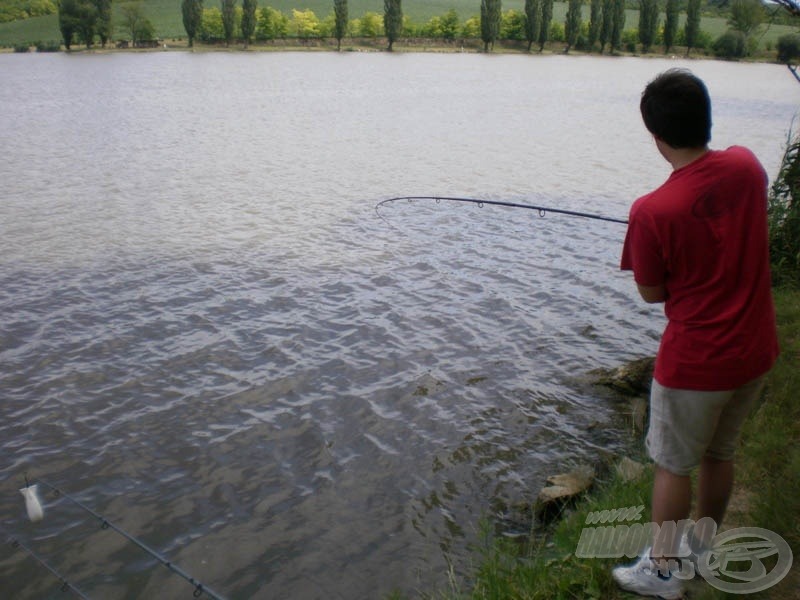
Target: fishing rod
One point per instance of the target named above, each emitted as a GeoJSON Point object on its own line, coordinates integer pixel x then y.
{"type": "Point", "coordinates": [542, 210]}
{"type": "Point", "coordinates": [199, 588]}
{"type": "Point", "coordinates": [65, 585]}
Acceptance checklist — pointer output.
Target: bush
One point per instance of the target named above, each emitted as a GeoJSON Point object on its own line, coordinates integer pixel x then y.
{"type": "Point", "coordinates": [730, 45]}
{"type": "Point", "coordinates": [21, 48]}
{"type": "Point", "coordinates": [789, 48]}
{"type": "Point", "coordinates": [14, 10]}
{"type": "Point", "coordinates": [471, 28]}
{"type": "Point", "coordinates": [582, 45]}
{"type": "Point", "coordinates": [144, 32]}
{"type": "Point", "coordinates": [556, 32]}
{"type": "Point", "coordinates": [272, 24]}
{"type": "Point", "coordinates": [50, 46]}
{"type": "Point", "coordinates": [703, 42]}
{"type": "Point", "coordinates": [512, 26]}
{"type": "Point", "coordinates": [211, 30]}
{"type": "Point", "coordinates": [630, 37]}
{"type": "Point", "coordinates": [784, 218]}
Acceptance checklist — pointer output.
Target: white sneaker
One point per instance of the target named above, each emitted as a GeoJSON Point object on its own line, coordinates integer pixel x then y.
{"type": "Point", "coordinates": [642, 578]}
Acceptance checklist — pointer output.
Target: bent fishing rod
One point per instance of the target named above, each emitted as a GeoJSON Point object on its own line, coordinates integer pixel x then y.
{"type": "Point", "coordinates": [35, 513]}
{"type": "Point", "coordinates": [542, 210]}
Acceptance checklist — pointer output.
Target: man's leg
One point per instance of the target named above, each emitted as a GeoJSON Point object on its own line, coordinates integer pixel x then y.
{"type": "Point", "coordinates": [714, 486]}
{"type": "Point", "coordinates": [682, 422]}
{"type": "Point", "coordinates": [672, 496]}
{"type": "Point", "coordinates": [715, 481]}
{"type": "Point", "coordinates": [672, 499]}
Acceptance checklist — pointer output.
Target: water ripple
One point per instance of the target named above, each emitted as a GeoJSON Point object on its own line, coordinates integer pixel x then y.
{"type": "Point", "coordinates": [208, 336]}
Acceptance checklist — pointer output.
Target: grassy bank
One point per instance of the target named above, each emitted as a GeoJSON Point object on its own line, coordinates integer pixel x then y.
{"type": "Point", "coordinates": [767, 495]}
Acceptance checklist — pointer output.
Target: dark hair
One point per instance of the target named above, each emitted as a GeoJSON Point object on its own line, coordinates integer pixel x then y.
{"type": "Point", "coordinates": [676, 107]}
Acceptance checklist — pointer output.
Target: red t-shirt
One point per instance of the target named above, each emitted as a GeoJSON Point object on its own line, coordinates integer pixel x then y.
{"type": "Point", "coordinates": [703, 235]}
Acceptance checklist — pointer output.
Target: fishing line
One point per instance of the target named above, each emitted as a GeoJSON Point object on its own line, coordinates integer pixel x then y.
{"type": "Point", "coordinates": [542, 210]}
{"type": "Point", "coordinates": [199, 588]}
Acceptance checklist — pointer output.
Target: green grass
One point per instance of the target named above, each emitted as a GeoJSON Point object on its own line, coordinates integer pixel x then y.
{"type": "Point", "coordinates": [166, 17]}
{"type": "Point", "coordinates": [548, 569]}
{"type": "Point", "coordinates": [771, 464]}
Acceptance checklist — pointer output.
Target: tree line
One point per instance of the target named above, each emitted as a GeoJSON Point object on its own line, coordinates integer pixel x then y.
{"type": "Point", "coordinates": [87, 20]}
{"type": "Point", "coordinates": [230, 22]}
{"type": "Point", "coordinates": [535, 25]}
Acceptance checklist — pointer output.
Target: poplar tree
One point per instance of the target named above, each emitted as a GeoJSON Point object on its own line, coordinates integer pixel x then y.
{"type": "Point", "coordinates": [392, 20]}
{"type": "Point", "coordinates": [87, 21]}
{"type": "Point", "coordinates": [572, 24]}
{"type": "Point", "coordinates": [607, 23]}
{"type": "Point", "coordinates": [248, 20]}
{"type": "Point", "coordinates": [228, 20]}
{"type": "Point", "coordinates": [618, 24]}
{"type": "Point", "coordinates": [491, 16]}
{"type": "Point", "coordinates": [533, 20]}
{"type": "Point", "coordinates": [340, 21]}
{"type": "Point", "coordinates": [692, 26]}
{"type": "Point", "coordinates": [104, 26]}
{"type": "Point", "coordinates": [192, 18]}
{"type": "Point", "coordinates": [547, 16]}
{"type": "Point", "coordinates": [671, 24]}
{"type": "Point", "coordinates": [648, 23]}
{"type": "Point", "coordinates": [68, 21]}
{"type": "Point", "coordinates": [595, 22]}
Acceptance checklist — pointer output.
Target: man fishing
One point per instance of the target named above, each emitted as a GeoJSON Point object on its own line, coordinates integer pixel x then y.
{"type": "Point", "coordinates": [698, 243]}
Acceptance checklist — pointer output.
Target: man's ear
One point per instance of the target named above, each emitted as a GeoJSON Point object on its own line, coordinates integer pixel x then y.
{"type": "Point", "coordinates": [663, 147]}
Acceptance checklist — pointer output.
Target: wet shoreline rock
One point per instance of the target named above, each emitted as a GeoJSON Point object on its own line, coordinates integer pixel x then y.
{"type": "Point", "coordinates": [632, 382]}
{"type": "Point", "coordinates": [631, 379]}
{"type": "Point", "coordinates": [629, 469]}
{"type": "Point", "coordinates": [561, 489]}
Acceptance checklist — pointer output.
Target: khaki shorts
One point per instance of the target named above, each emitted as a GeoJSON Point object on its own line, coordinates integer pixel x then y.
{"type": "Point", "coordinates": [687, 425]}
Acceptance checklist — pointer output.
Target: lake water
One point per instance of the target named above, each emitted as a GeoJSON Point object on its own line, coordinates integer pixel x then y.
{"type": "Point", "coordinates": [208, 335]}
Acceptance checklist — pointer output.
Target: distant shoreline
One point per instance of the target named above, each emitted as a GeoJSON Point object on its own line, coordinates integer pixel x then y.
{"type": "Point", "coordinates": [402, 46]}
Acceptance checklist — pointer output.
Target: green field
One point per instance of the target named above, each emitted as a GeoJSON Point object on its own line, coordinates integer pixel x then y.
{"type": "Point", "coordinates": [166, 17]}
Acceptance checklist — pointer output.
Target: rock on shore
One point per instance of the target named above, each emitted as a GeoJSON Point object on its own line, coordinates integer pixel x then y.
{"type": "Point", "coordinates": [631, 379]}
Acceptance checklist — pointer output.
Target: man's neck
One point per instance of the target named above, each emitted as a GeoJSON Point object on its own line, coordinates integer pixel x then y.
{"type": "Point", "coordinates": [685, 156]}
{"type": "Point", "coordinates": [679, 157]}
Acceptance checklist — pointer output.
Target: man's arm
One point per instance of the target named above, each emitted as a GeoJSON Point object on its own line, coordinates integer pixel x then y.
{"type": "Point", "coordinates": [652, 294]}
